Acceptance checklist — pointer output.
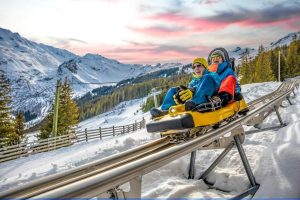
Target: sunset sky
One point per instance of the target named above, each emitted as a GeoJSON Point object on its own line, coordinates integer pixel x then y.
{"type": "Point", "coordinates": [150, 31]}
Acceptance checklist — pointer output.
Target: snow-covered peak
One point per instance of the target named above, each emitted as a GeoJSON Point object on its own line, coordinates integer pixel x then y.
{"type": "Point", "coordinates": [8, 35]}
{"type": "Point", "coordinates": [286, 40]}
{"type": "Point", "coordinates": [93, 56]}
{"type": "Point", "coordinates": [238, 52]}
{"type": "Point", "coordinates": [237, 49]}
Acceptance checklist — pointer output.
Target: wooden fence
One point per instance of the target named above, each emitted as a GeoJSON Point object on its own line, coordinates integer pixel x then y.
{"type": "Point", "coordinates": [29, 148]}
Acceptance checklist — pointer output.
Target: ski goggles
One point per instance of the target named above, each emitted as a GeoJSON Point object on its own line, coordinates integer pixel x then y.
{"type": "Point", "coordinates": [216, 56]}
{"type": "Point", "coordinates": [198, 65]}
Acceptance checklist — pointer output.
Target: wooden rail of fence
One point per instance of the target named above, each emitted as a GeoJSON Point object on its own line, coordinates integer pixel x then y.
{"type": "Point", "coordinates": [29, 148]}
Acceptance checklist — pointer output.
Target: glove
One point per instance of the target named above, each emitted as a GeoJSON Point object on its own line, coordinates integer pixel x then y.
{"type": "Point", "coordinates": [176, 100]}
{"type": "Point", "coordinates": [176, 96]}
{"type": "Point", "coordinates": [185, 95]}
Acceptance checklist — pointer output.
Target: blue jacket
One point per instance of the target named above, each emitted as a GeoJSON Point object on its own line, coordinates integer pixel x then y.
{"type": "Point", "coordinates": [198, 80]}
{"type": "Point", "coordinates": [203, 86]}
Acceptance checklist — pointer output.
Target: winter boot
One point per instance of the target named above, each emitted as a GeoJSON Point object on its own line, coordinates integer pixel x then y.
{"type": "Point", "coordinates": [189, 105]}
{"type": "Point", "coordinates": [155, 112]}
{"type": "Point", "coordinates": [238, 96]}
{"type": "Point", "coordinates": [225, 98]}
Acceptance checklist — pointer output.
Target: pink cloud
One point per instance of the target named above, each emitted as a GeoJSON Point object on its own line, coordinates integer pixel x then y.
{"type": "Point", "coordinates": [137, 53]}
{"type": "Point", "coordinates": [203, 24]}
{"type": "Point", "coordinates": [160, 31]}
{"type": "Point", "coordinates": [278, 15]}
{"type": "Point", "coordinates": [287, 23]}
{"type": "Point", "coordinates": [188, 25]}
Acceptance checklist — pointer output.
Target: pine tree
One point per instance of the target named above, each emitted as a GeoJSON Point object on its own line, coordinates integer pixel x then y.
{"type": "Point", "coordinates": [20, 125]}
{"type": "Point", "coordinates": [263, 71]}
{"type": "Point", "coordinates": [283, 62]}
{"type": "Point", "coordinates": [246, 72]}
{"type": "Point", "coordinates": [7, 133]}
{"type": "Point", "coordinates": [267, 72]}
{"type": "Point", "coordinates": [258, 69]}
{"type": "Point", "coordinates": [67, 114]}
{"type": "Point", "coordinates": [293, 59]}
{"type": "Point", "coordinates": [261, 49]}
{"type": "Point", "coordinates": [46, 130]}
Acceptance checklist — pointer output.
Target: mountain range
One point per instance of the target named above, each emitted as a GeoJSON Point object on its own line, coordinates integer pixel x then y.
{"type": "Point", "coordinates": [33, 69]}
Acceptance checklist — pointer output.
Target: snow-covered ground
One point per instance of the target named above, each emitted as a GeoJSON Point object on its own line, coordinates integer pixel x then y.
{"type": "Point", "coordinates": [125, 113]}
{"type": "Point", "coordinates": [273, 155]}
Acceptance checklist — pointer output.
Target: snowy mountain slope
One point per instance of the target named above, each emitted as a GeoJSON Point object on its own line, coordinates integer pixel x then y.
{"type": "Point", "coordinates": [126, 112]}
{"type": "Point", "coordinates": [286, 40]}
{"type": "Point", "coordinates": [238, 52]}
{"type": "Point", "coordinates": [273, 156]}
{"type": "Point", "coordinates": [34, 68]}
{"type": "Point", "coordinates": [31, 68]}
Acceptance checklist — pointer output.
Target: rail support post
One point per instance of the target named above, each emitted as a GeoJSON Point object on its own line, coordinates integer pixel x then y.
{"type": "Point", "coordinates": [217, 161]}
{"type": "Point", "coordinates": [294, 93]}
{"type": "Point", "coordinates": [236, 140]}
{"type": "Point", "coordinates": [245, 161]}
{"type": "Point", "coordinates": [192, 165]}
{"type": "Point", "coordinates": [278, 116]}
{"type": "Point", "coordinates": [282, 124]}
{"type": "Point", "coordinates": [254, 185]}
{"type": "Point", "coordinates": [288, 98]}
{"type": "Point", "coordinates": [135, 190]}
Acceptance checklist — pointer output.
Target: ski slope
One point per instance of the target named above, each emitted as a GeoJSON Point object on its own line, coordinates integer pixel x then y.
{"type": "Point", "coordinates": [273, 155]}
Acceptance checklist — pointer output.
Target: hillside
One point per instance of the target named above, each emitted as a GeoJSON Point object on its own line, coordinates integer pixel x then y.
{"type": "Point", "coordinates": [34, 68]}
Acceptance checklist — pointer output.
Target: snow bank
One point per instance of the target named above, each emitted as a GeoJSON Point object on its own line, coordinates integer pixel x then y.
{"type": "Point", "coordinates": [25, 169]}
{"type": "Point", "coordinates": [278, 169]}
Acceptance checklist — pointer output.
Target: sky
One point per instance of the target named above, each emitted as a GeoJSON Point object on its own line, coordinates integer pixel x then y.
{"type": "Point", "coordinates": [150, 31]}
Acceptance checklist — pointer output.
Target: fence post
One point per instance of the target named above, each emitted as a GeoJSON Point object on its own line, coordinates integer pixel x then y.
{"type": "Point", "coordinates": [113, 130]}
{"type": "Point", "coordinates": [134, 126]}
{"type": "Point", "coordinates": [70, 136]}
{"type": "Point", "coordinates": [19, 152]}
{"type": "Point", "coordinates": [135, 123]}
{"type": "Point", "coordinates": [144, 122]}
{"type": "Point", "coordinates": [100, 133]}
{"type": "Point", "coordinates": [48, 145]}
{"type": "Point", "coordinates": [123, 130]}
{"type": "Point", "coordinates": [86, 136]}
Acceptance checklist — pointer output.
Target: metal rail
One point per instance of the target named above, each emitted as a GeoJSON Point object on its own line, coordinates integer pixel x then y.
{"type": "Point", "coordinates": [122, 168]}
{"type": "Point", "coordinates": [60, 179]}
